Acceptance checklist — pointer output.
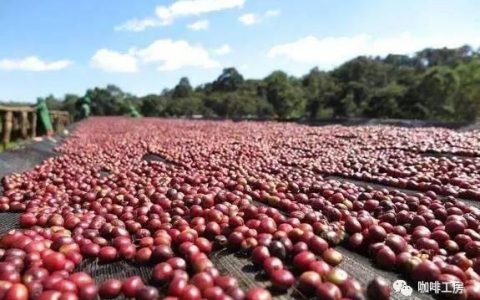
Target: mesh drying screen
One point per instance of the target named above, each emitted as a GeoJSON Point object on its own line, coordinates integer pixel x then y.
{"type": "Point", "coordinates": [8, 221]}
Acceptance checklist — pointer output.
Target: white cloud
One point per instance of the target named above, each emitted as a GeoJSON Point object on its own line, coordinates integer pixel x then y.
{"type": "Point", "coordinates": [174, 55]}
{"type": "Point", "coordinates": [249, 19]}
{"type": "Point", "coordinates": [223, 50]}
{"type": "Point", "coordinates": [112, 61]}
{"type": "Point", "coordinates": [33, 63]}
{"type": "Point", "coordinates": [138, 24]}
{"type": "Point", "coordinates": [332, 51]}
{"type": "Point", "coordinates": [252, 19]}
{"type": "Point", "coordinates": [185, 8]}
{"type": "Point", "coordinates": [199, 25]}
{"type": "Point", "coordinates": [167, 54]}
{"type": "Point", "coordinates": [165, 15]}
{"type": "Point", "coordinates": [272, 13]}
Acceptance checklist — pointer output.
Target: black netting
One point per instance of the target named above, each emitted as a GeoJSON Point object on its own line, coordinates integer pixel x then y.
{"type": "Point", "coordinates": [118, 269]}
{"type": "Point", "coordinates": [234, 264]}
{"type": "Point", "coordinates": [8, 221]}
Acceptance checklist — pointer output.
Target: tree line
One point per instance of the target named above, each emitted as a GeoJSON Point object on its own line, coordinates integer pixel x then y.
{"type": "Point", "coordinates": [433, 84]}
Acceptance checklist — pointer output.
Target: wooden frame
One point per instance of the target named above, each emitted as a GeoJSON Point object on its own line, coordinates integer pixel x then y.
{"type": "Point", "coordinates": [23, 120]}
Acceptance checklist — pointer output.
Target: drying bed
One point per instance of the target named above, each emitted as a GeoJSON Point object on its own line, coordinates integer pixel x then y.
{"type": "Point", "coordinates": [177, 209]}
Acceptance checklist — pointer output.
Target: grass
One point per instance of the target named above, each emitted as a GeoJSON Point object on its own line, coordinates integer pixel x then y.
{"type": "Point", "coordinates": [12, 145]}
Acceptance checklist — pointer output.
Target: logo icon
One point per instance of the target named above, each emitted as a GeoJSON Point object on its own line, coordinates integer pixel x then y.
{"type": "Point", "coordinates": [400, 286]}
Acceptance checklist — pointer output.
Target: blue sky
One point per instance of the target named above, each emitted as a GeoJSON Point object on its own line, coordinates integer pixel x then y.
{"type": "Point", "coordinates": [59, 46]}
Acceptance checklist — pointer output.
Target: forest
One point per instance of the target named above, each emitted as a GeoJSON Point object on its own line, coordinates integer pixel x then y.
{"type": "Point", "coordinates": [433, 84]}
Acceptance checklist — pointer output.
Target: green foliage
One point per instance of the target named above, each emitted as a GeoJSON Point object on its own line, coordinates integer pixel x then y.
{"type": "Point", "coordinates": [187, 106]}
{"type": "Point", "coordinates": [437, 92]}
{"type": "Point", "coordinates": [319, 89]}
{"type": "Point", "coordinates": [444, 56]}
{"type": "Point", "coordinates": [285, 95]}
{"type": "Point", "coordinates": [229, 81]}
{"type": "Point", "coordinates": [435, 84]}
{"type": "Point", "coordinates": [182, 89]}
{"type": "Point", "coordinates": [70, 104]}
{"type": "Point", "coordinates": [53, 103]}
{"type": "Point", "coordinates": [107, 101]}
{"type": "Point", "coordinates": [153, 105]}
{"type": "Point", "coordinates": [384, 102]}
{"type": "Point", "coordinates": [467, 102]}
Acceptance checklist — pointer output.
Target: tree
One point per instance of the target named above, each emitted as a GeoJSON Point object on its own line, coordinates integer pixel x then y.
{"type": "Point", "coordinates": [467, 104]}
{"type": "Point", "coordinates": [108, 101]}
{"type": "Point", "coordinates": [384, 103]}
{"type": "Point", "coordinates": [153, 105]}
{"type": "Point", "coordinates": [444, 56]}
{"type": "Point", "coordinates": [285, 95]}
{"type": "Point", "coordinates": [434, 96]}
{"type": "Point", "coordinates": [359, 78]}
{"type": "Point", "coordinates": [230, 80]}
{"type": "Point", "coordinates": [182, 89]}
{"type": "Point", "coordinates": [398, 60]}
{"type": "Point", "coordinates": [344, 105]}
{"type": "Point", "coordinates": [70, 104]}
{"type": "Point", "coordinates": [186, 106]}
{"type": "Point", "coordinates": [53, 103]}
{"type": "Point", "coordinates": [215, 106]}
{"type": "Point", "coordinates": [320, 89]}
{"type": "Point", "coordinates": [371, 72]}
{"type": "Point", "coordinates": [441, 84]}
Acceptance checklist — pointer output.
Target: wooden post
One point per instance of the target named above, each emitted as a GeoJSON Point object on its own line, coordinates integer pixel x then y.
{"type": "Point", "coordinates": [34, 123]}
{"type": "Point", "coordinates": [23, 121]}
{"type": "Point", "coordinates": [7, 128]}
{"type": "Point", "coordinates": [24, 124]}
{"type": "Point", "coordinates": [52, 120]}
{"type": "Point", "coordinates": [61, 123]}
